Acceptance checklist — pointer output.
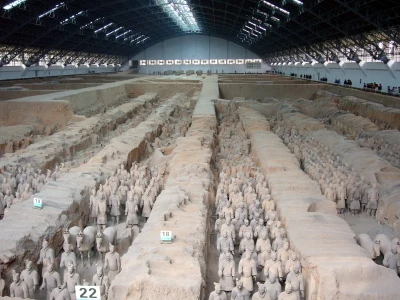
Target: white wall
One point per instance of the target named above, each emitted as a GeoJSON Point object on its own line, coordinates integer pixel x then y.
{"type": "Point", "coordinates": [365, 72]}
{"type": "Point", "coordinates": [197, 47]}
{"type": "Point", "coordinates": [22, 72]}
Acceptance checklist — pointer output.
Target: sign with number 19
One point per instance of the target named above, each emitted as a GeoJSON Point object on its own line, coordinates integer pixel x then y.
{"type": "Point", "coordinates": [87, 292]}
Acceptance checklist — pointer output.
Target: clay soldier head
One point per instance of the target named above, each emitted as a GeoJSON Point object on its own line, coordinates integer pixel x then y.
{"type": "Point", "coordinates": [239, 283]}
{"type": "Point", "coordinates": [99, 270]}
{"type": "Point", "coordinates": [288, 288]}
{"type": "Point", "coordinates": [228, 221]}
{"type": "Point", "coordinates": [273, 255]}
{"type": "Point", "coordinates": [50, 267]}
{"type": "Point", "coordinates": [264, 235]}
{"type": "Point", "coordinates": [282, 233]}
{"type": "Point", "coordinates": [16, 276]}
{"type": "Point", "coordinates": [28, 264]}
{"type": "Point", "coordinates": [272, 277]}
{"type": "Point", "coordinates": [45, 242]}
{"type": "Point", "coordinates": [225, 234]}
{"type": "Point", "coordinates": [217, 288]}
{"type": "Point", "coordinates": [112, 248]}
{"type": "Point", "coordinates": [297, 267]}
{"type": "Point", "coordinates": [246, 222]}
{"type": "Point", "coordinates": [71, 268]}
{"type": "Point", "coordinates": [286, 246]}
{"type": "Point", "coordinates": [248, 255]}
{"type": "Point", "coordinates": [294, 256]}
{"type": "Point", "coordinates": [261, 289]}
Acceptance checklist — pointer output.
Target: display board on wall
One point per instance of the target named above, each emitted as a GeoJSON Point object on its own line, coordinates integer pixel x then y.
{"type": "Point", "coordinates": [250, 63]}
{"type": "Point", "coordinates": [253, 65]}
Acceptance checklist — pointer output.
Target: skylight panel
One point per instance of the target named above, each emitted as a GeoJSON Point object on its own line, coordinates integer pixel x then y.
{"type": "Point", "coordinates": [104, 27]}
{"type": "Point", "coordinates": [297, 2]}
{"type": "Point", "coordinates": [13, 4]}
{"type": "Point", "coordinates": [179, 11]}
{"type": "Point", "coordinates": [114, 31]}
{"type": "Point", "coordinates": [72, 18]}
{"type": "Point", "coordinates": [275, 19]}
{"type": "Point", "coordinates": [49, 12]}
{"type": "Point", "coordinates": [275, 8]}
{"type": "Point", "coordinates": [91, 23]}
{"type": "Point", "coordinates": [123, 34]}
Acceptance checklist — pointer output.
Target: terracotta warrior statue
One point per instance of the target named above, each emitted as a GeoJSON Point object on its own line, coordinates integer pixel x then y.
{"type": "Point", "coordinates": [71, 279]}
{"type": "Point", "coordinates": [115, 207]}
{"type": "Point", "coordinates": [288, 293]}
{"type": "Point", "coordinates": [60, 293]}
{"type": "Point", "coordinates": [273, 286]}
{"type": "Point", "coordinates": [226, 273]}
{"type": "Point", "coordinates": [131, 211]}
{"type": "Point", "coordinates": [31, 277]}
{"type": "Point", "coordinates": [67, 256]}
{"type": "Point", "coordinates": [101, 213]}
{"type": "Point", "coordinates": [112, 262]}
{"type": "Point", "coordinates": [101, 280]}
{"type": "Point", "coordinates": [51, 280]}
{"type": "Point", "coordinates": [262, 293]}
{"type": "Point", "coordinates": [248, 270]}
{"type": "Point", "coordinates": [18, 287]}
{"type": "Point", "coordinates": [373, 200]}
{"type": "Point", "coordinates": [46, 255]}
{"type": "Point", "coordinates": [240, 292]}
{"type": "Point", "coordinates": [296, 280]}
{"type": "Point", "coordinates": [93, 205]}
{"type": "Point", "coordinates": [218, 293]}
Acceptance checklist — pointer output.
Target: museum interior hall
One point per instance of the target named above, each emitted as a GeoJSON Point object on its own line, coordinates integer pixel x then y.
{"type": "Point", "coordinates": [200, 149]}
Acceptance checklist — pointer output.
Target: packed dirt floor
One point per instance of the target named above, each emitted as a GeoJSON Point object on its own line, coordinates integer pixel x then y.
{"type": "Point", "coordinates": [198, 187]}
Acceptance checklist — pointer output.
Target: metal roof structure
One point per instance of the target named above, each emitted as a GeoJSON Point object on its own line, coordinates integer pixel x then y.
{"type": "Point", "coordinates": [118, 29]}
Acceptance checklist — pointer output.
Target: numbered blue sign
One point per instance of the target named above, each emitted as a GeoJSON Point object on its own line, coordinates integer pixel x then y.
{"type": "Point", "coordinates": [37, 203]}
{"type": "Point", "coordinates": [87, 292]}
{"type": "Point", "coordinates": [166, 237]}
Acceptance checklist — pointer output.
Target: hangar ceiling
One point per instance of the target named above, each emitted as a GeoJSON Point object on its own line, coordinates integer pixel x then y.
{"type": "Point", "coordinates": [119, 29]}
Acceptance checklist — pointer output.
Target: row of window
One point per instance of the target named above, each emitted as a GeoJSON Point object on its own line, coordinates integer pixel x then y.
{"type": "Point", "coordinates": [171, 62]}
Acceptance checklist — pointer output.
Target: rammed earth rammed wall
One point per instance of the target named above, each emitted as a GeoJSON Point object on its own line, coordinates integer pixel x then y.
{"type": "Point", "coordinates": [259, 91]}
{"type": "Point", "coordinates": [151, 270]}
{"type": "Point", "coordinates": [46, 153]}
{"type": "Point", "coordinates": [334, 266]}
